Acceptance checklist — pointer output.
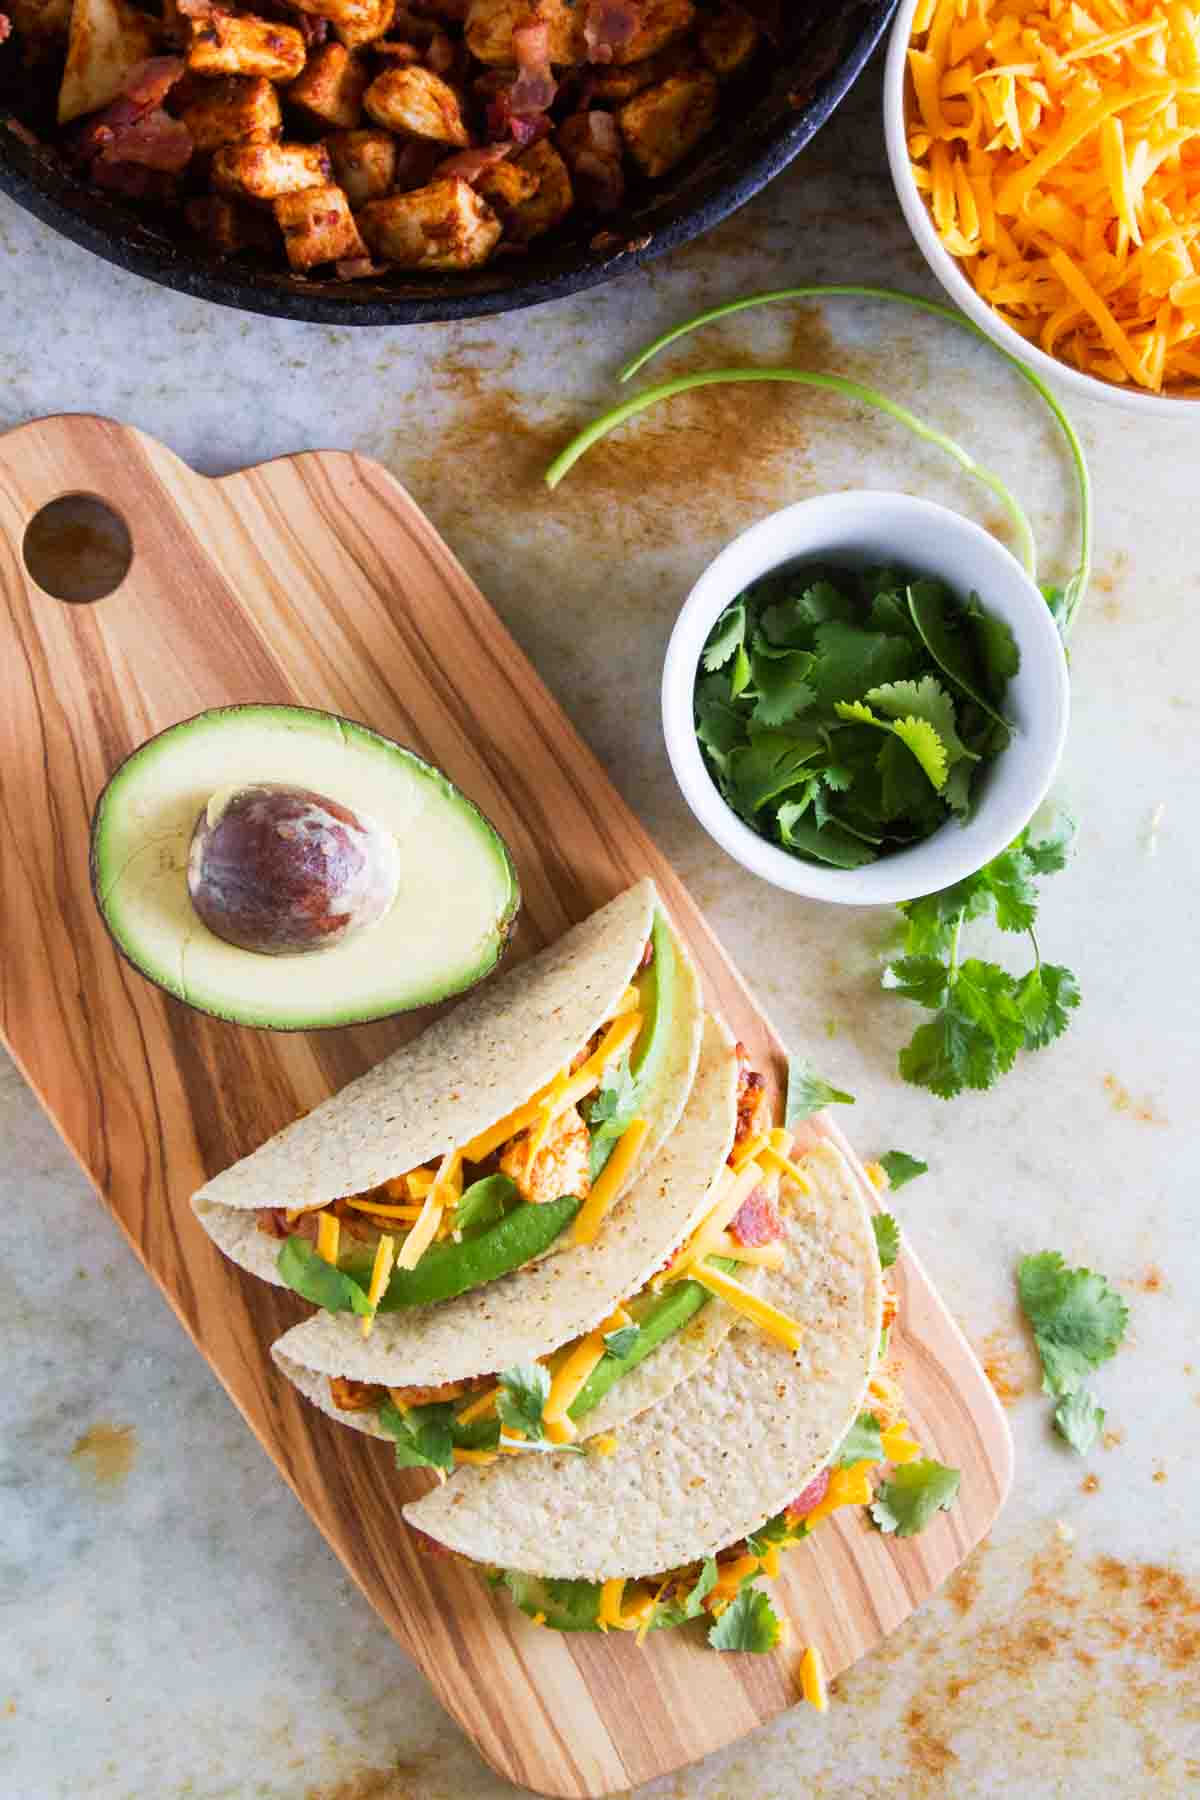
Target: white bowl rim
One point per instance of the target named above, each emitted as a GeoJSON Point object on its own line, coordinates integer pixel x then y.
{"type": "Point", "coordinates": [953, 851]}
{"type": "Point", "coordinates": [946, 268]}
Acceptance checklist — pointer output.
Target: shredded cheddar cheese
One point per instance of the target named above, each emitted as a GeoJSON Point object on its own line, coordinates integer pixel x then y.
{"type": "Point", "coordinates": [1058, 149]}
{"type": "Point", "coordinates": [381, 1273]}
{"type": "Point", "coordinates": [329, 1231]}
{"type": "Point", "coordinates": [479, 1408]}
{"type": "Point", "coordinates": [812, 1679]}
{"type": "Point", "coordinates": [733, 1190]}
{"type": "Point", "coordinates": [566, 1384]}
{"type": "Point", "coordinates": [590, 1216]}
{"type": "Point", "coordinates": [760, 1312]}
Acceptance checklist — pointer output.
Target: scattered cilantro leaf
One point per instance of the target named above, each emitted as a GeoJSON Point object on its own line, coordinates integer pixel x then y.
{"type": "Point", "coordinates": [920, 978]}
{"type": "Point", "coordinates": [1048, 855]}
{"type": "Point", "coordinates": [808, 1092]}
{"type": "Point", "coordinates": [887, 1238]}
{"type": "Point", "coordinates": [564, 1605]}
{"type": "Point", "coordinates": [1079, 1418]}
{"type": "Point", "coordinates": [917, 1490]}
{"type": "Point", "coordinates": [318, 1281]}
{"type": "Point", "coordinates": [521, 1401]}
{"type": "Point", "coordinates": [1078, 1321]}
{"type": "Point", "coordinates": [900, 1168]}
{"type": "Point", "coordinates": [422, 1436]}
{"type": "Point", "coordinates": [781, 687]}
{"type": "Point", "coordinates": [749, 1622]}
{"type": "Point", "coordinates": [862, 1443]}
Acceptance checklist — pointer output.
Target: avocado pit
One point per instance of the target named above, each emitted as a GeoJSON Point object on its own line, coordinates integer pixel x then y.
{"type": "Point", "coordinates": [284, 871]}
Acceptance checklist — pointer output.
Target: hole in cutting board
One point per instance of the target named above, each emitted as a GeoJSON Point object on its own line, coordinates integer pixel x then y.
{"type": "Point", "coordinates": [77, 548]}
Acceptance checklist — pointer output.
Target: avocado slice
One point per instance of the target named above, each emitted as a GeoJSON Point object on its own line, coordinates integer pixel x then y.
{"type": "Point", "coordinates": [452, 895]}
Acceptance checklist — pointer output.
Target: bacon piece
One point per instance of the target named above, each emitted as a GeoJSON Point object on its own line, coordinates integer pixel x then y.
{"type": "Point", "coordinates": [151, 81]}
{"type": "Point", "coordinates": [155, 141]}
{"type": "Point", "coordinates": [471, 164]}
{"type": "Point", "coordinates": [753, 1114]}
{"type": "Point", "coordinates": [608, 25]}
{"type": "Point", "coordinates": [521, 129]}
{"type": "Point", "coordinates": [535, 87]}
{"type": "Point", "coordinates": [811, 1498]}
{"type": "Point", "coordinates": [757, 1220]}
{"type": "Point", "coordinates": [135, 129]}
{"type": "Point", "coordinates": [273, 1220]}
{"type": "Point", "coordinates": [415, 163]}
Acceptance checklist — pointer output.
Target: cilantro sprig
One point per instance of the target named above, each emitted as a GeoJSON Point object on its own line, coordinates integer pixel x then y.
{"type": "Point", "coordinates": [983, 1016]}
{"type": "Point", "coordinates": [844, 714]}
{"type": "Point", "coordinates": [749, 1622]}
{"type": "Point", "coordinates": [611, 1113]}
{"type": "Point", "coordinates": [917, 1491]}
{"type": "Point", "coordinates": [1078, 1322]}
{"type": "Point", "coordinates": [521, 1405]}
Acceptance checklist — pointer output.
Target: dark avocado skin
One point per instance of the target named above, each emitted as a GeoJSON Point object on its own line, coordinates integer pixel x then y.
{"type": "Point", "coordinates": [504, 926]}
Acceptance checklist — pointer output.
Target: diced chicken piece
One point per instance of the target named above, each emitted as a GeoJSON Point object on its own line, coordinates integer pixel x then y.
{"type": "Point", "coordinates": [355, 1396]}
{"type": "Point", "coordinates": [660, 22]}
{"type": "Point", "coordinates": [443, 226]}
{"type": "Point", "coordinates": [506, 186]}
{"type": "Point", "coordinates": [444, 1391]}
{"type": "Point", "coordinates": [228, 226]}
{"type": "Point", "coordinates": [591, 147]}
{"type": "Point", "coordinates": [108, 38]}
{"type": "Point", "coordinates": [331, 88]}
{"type": "Point", "coordinates": [355, 21]}
{"type": "Point", "coordinates": [371, 22]}
{"type": "Point", "coordinates": [753, 1106]}
{"type": "Point", "coordinates": [491, 23]}
{"type": "Point", "coordinates": [553, 200]}
{"type": "Point", "coordinates": [318, 227]}
{"type": "Point", "coordinates": [234, 109]}
{"type": "Point", "coordinates": [265, 171]}
{"type": "Point", "coordinates": [224, 45]}
{"type": "Point", "coordinates": [560, 1166]}
{"type": "Point", "coordinates": [616, 83]}
{"type": "Point", "coordinates": [728, 39]}
{"type": "Point", "coordinates": [364, 164]}
{"type": "Point", "coordinates": [417, 103]}
{"type": "Point", "coordinates": [664, 123]}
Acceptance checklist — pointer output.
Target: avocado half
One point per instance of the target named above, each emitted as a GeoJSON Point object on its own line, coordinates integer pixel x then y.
{"type": "Point", "coordinates": [456, 894]}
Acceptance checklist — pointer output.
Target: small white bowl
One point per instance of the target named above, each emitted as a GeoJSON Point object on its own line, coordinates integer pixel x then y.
{"type": "Point", "coordinates": [949, 270]}
{"type": "Point", "coordinates": [862, 529]}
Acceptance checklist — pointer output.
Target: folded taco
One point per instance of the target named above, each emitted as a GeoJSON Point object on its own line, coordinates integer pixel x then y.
{"type": "Point", "coordinates": [507, 1131]}
{"type": "Point", "coordinates": [719, 1460]}
{"type": "Point", "coordinates": [604, 1329]}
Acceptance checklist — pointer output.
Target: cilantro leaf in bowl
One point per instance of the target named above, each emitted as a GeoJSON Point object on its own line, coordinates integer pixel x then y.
{"type": "Point", "coordinates": [845, 714]}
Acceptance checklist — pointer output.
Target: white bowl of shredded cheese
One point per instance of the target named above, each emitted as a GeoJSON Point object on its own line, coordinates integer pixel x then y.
{"type": "Point", "coordinates": [1124, 317]}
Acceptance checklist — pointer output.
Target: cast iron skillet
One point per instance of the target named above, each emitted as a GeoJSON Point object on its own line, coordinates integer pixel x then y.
{"type": "Point", "coordinates": [795, 88]}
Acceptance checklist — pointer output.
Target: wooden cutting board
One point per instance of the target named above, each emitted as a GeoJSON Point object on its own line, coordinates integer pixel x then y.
{"type": "Point", "coordinates": [316, 579]}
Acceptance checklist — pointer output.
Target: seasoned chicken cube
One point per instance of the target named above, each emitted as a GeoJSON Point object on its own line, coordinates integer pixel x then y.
{"type": "Point", "coordinates": [235, 109]}
{"type": "Point", "coordinates": [505, 186]}
{"type": "Point", "coordinates": [332, 86]}
{"type": "Point", "coordinates": [372, 21]}
{"type": "Point", "coordinates": [417, 103]}
{"type": "Point", "coordinates": [728, 39]}
{"type": "Point", "coordinates": [224, 45]}
{"type": "Point", "coordinates": [443, 226]}
{"type": "Point", "coordinates": [560, 1166]}
{"type": "Point", "coordinates": [660, 22]}
{"type": "Point", "coordinates": [228, 226]}
{"type": "Point", "coordinates": [355, 21]}
{"type": "Point", "coordinates": [490, 26]}
{"type": "Point", "coordinates": [613, 83]}
{"type": "Point", "coordinates": [664, 123]}
{"type": "Point", "coordinates": [552, 201]}
{"type": "Point", "coordinates": [364, 163]}
{"type": "Point", "coordinates": [318, 227]}
{"type": "Point", "coordinates": [349, 1395]}
{"type": "Point", "coordinates": [265, 171]}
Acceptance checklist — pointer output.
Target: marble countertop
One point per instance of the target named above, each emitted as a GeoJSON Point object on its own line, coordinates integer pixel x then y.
{"type": "Point", "coordinates": [170, 1623]}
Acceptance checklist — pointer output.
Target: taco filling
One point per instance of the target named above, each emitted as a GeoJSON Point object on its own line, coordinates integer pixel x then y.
{"type": "Point", "coordinates": [506, 1196]}
{"type": "Point", "coordinates": [545, 1405]}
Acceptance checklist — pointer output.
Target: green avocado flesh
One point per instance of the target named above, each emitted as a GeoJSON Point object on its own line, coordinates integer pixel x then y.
{"type": "Point", "coordinates": [449, 1269]}
{"type": "Point", "coordinates": [657, 986]}
{"type": "Point", "coordinates": [455, 898]}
